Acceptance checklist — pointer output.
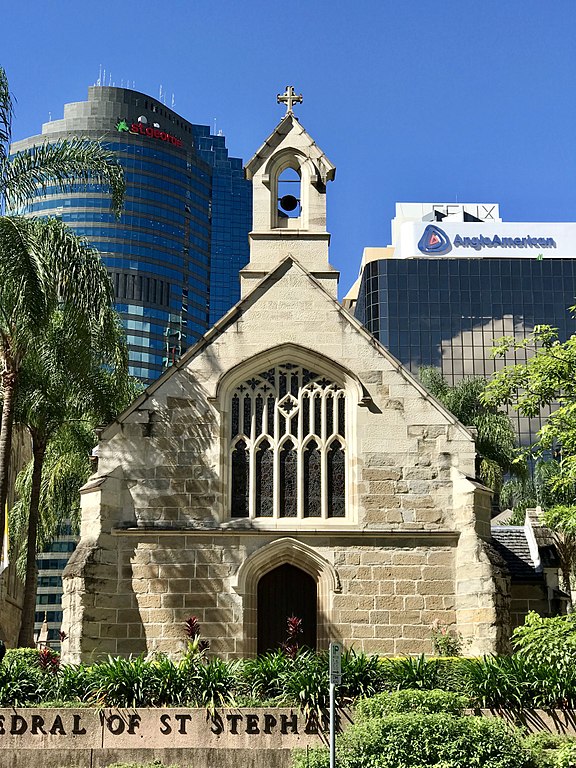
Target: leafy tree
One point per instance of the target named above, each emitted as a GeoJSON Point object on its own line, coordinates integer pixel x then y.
{"type": "Point", "coordinates": [496, 450]}
{"type": "Point", "coordinates": [547, 378]}
{"type": "Point", "coordinates": [74, 374]}
{"type": "Point", "coordinates": [40, 265]}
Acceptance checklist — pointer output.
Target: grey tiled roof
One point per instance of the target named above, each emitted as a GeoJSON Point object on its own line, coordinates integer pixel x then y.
{"type": "Point", "coordinates": [511, 543]}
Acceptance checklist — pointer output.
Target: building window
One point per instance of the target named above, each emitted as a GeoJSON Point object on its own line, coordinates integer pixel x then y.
{"type": "Point", "coordinates": [288, 445]}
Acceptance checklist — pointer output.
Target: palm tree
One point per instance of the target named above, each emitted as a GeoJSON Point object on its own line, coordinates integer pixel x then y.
{"type": "Point", "coordinates": [75, 375]}
{"type": "Point", "coordinates": [41, 263]}
{"type": "Point", "coordinates": [496, 451]}
{"type": "Point", "coordinates": [63, 163]}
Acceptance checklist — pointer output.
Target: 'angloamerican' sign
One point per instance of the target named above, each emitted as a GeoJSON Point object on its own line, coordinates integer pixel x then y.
{"type": "Point", "coordinates": [496, 240]}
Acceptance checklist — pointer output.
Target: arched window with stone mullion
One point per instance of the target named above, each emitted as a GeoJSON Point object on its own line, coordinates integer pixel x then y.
{"type": "Point", "coordinates": [289, 417]}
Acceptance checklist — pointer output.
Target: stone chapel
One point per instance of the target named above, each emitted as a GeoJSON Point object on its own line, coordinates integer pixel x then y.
{"type": "Point", "coordinates": [286, 465]}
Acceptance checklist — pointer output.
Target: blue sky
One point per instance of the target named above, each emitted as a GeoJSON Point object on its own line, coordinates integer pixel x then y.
{"type": "Point", "coordinates": [413, 100]}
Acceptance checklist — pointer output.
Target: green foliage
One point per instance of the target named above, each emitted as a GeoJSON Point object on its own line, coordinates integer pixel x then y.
{"type": "Point", "coordinates": [263, 678]}
{"type": "Point", "coordinates": [548, 376]}
{"type": "Point", "coordinates": [410, 672]}
{"type": "Point", "coordinates": [215, 684]}
{"type": "Point", "coordinates": [123, 682]}
{"type": "Point", "coordinates": [27, 655]}
{"type": "Point", "coordinates": [24, 684]}
{"type": "Point", "coordinates": [316, 757]}
{"type": "Point", "coordinates": [400, 702]}
{"type": "Point", "coordinates": [307, 684]}
{"type": "Point", "coordinates": [495, 436]}
{"type": "Point", "coordinates": [362, 676]}
{"type": "Point", "coordinates": [153, 764]}
{"type": "Point", "coordinates": [566, 756]}
{"type": "Point", "coordinates": [446, 642]}
{"type": "Point", "coordinates": [542, 747]}
{"type": "Point", "coordinates": [452, 674]}
{"type": "Point", "coordinates": [415, 740]}
{"type": "Point", "coordinates": [547, 641]}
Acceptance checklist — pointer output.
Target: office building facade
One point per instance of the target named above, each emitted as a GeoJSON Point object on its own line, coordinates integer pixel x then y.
{"type": "Point", "coordinates": [175, 252]}
{"type": "Point", "coordinates": [453, 282]}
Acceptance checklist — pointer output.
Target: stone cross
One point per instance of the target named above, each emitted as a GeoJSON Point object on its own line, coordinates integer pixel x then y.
{"type": "Point", "coordinates": [289, 98]}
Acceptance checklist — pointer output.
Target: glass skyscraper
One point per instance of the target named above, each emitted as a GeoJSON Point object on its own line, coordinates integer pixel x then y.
{"type": "Point", "coordinates": [175, 252]}
{"type": "Point", "coordinates": [446, 310]}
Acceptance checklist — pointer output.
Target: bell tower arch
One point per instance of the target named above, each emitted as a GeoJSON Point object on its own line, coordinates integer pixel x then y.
{"type": "Point", "coordinates": [284, 223]}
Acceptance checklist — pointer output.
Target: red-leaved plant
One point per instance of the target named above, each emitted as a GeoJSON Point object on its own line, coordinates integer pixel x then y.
{"type": "Point", "coordinates": [291, 645]}
{"type": "Point", "coordinates": [48, 661]}
{"type": "Point", "coordinates": [196, 645]}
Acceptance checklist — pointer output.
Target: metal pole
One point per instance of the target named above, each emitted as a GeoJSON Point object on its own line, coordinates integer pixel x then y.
{"type": "Point", "coordinates": [332, 726]}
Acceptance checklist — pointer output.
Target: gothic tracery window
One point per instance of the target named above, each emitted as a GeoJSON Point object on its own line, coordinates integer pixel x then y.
{"type": "Point", "coordinates": [288, 445]}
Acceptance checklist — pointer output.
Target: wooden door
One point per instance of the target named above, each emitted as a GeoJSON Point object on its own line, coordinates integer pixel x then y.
{"type": "Point", "coordinates": [283, 592]}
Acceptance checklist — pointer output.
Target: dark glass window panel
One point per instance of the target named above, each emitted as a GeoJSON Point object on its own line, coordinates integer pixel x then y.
{"type": "Point", "coordinates": [329, 416]}
{"type": "Point", "coordinates": [312, 482]}
{"type": "Point", "coordinates": [264, 481]}
{"type": "Point", "coordinates": [336, 479]}
{"type": "Point", "coordinates": [294, 425]}
{"type": "Point", "coordinates": [294, 384]}
{"type": "Point", "coordinates": [240, 480]}
{"type": "Point", "coordinates": [259, 410]}
{"type": "Point", "coordinates": [281, 424]}
{"type": "Point", "coordinates": [288, 481]}
{"type": "Point", "coordinates": [270, 416]}
{"type": "Point", "coordinates": [247, 414]}
{"type": "Point", "coordinates": [235, 415]}
{"type": "Point", "coordinates": [305, 416]}
{"type": "Point", "coordinates": [317, 416]}
{"type": "Point", "coordinates": [282, 385]}
{"type": "Point", "coordinates": [341, 417]}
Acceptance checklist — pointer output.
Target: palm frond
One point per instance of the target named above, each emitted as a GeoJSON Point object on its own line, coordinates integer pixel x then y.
{"type": "Point", "coordinates": [65, 164]}
{"type": "Point", "coordinates": [6, 116]}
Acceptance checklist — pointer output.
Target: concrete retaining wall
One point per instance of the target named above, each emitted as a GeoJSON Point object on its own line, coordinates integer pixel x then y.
{"type": "Point", "coordinates": [239, 738]}
{"type": "Point", "coordinates": [88, 738]}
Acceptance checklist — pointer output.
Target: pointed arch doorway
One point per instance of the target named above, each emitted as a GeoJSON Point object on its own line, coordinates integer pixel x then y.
{"type": "Point", "coordinates": [283, 592]}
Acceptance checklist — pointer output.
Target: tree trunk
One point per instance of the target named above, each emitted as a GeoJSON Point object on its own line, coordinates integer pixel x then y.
{"type": "Point", "coordinates": [9, 380]}
{"type": "Point", "coordinates": [567, 587]}
{"type": "Point", "coordinates": [26, 637]}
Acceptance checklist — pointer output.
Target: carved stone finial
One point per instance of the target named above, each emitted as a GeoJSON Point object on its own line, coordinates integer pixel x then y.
{"type": "Point", "coordinates": [289, 98]}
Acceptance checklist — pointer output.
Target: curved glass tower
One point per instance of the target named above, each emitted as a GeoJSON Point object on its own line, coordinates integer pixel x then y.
{"type": "Point", "coordinates": [175, 252]}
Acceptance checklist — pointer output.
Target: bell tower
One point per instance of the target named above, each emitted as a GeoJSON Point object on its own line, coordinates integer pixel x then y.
{"type": "Point", "coordinates": [289, 174]}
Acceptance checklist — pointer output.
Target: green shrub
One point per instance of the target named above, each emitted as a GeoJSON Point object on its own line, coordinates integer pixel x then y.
{"type": "Point", "coordinates": [415, 740]}
{"type": "Point", "coordinates": [154, 764]}
{"type": "Point", "coordinates": [398, 702]}
{"type": "Point", "coordinates": [27, 655]}
{"type": "Point", "coordinates": [543, 748]}
{"type": "Point", "coordinates": [452, 673]}
{"type": "Point", "coordinates": [22, 683]}
{"type": "Point", "coordinates": [566, 756]}
{"type": "Point", "coordinates": [316, 757]}
{"type": "Point", "coordinates": [547, 641]}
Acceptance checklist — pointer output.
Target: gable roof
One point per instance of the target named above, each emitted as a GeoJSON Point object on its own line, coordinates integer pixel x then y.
{"type": "Point", "coordinates": [286, 126]}
{"type": "Point", "coordinates": [261, 288]}
{"type": "Point", "coordinates": [512, 544]}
